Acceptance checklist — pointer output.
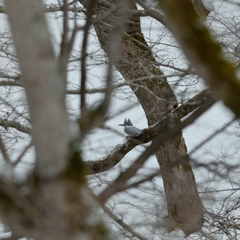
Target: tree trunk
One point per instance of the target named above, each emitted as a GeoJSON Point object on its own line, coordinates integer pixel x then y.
{"type": "Point", "coordinates": [55, 203]}
{"type": "Point", "coordinates": [156, 97]}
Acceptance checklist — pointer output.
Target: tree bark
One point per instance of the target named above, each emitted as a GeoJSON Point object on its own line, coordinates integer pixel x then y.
{"type": "Point", "coordinates": [196, 40]}
{"type": "Point", "coordinates": [157, 99]}
{"type": "Point", "coordinates": [44, 85]}
{"type": "Point", "coordinates": [201, 9]}
{"type": "Point", "coordinates": [55, 202]}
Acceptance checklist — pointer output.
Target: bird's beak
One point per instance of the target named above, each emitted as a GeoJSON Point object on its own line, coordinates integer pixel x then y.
{"type": "Point", "coordinates": [121, 125]}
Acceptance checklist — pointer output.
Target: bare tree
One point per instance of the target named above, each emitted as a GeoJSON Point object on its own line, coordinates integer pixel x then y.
{"type": "Point", "coordinates": [59, 198]}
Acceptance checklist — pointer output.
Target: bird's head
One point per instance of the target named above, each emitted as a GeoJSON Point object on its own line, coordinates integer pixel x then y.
{"type": "Point", "coordinates": [127, 122]}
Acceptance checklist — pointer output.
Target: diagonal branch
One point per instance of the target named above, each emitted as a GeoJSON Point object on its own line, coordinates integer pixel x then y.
{"type": "Point", "coordinates": [147, 135]}
{"type": "Point", "coordinates": [4, 152]}
{"type": "Point", "coordinates": [21, 128]}
{"type": "Point", "coordinates": [120, 183]}
{"type": "Point", "coordinates": [218, 73]}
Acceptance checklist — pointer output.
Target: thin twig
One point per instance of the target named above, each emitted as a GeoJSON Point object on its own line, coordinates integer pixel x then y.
{"type": "Point", "coordinates": [90, 12]}
{"type": "Point", "coordinates": [4, 151]}
{"type": "Point", "coordinates": [122, 223]}
{"type": "Point", "coordinates": [22, 153]}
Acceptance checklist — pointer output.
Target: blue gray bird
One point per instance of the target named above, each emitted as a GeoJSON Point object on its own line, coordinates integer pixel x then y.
{"type": "Point", "coordinates": [129, 129]}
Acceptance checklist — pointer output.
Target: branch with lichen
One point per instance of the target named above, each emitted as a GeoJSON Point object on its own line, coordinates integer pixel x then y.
{"type": "Point", "coordinates": [12, 124]}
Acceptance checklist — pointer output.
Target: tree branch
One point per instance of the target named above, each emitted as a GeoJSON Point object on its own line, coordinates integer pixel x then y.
{"type": "Point", "coordinates": [4, 152]}
{"type": "Point", "coordinates": [196, 40]}
{"type": "Point", "coordinates": [147, 135]}
{"type": "Point", "coordinates": [167, 133]}
{"type": "Point", "coordinates": [10, 83]}
{"type": "Point", "coordinates": [16, 125]}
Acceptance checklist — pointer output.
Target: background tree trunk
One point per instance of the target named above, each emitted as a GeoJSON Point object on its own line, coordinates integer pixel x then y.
{"type": "Point", "coordinates": [57, 204]}
{"type": "Point", "coordinates": [156, 97]}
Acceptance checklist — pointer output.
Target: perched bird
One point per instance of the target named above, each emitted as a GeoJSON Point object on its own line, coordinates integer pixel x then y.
{"type": "Point", "coordinates": [129, 129]}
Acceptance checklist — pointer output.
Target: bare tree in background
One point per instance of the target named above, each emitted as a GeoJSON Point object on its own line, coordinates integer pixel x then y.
{"type": "Point", "coordinates": [55, 200]}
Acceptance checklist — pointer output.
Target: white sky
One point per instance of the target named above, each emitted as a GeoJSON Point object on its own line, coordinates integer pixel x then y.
{"type": "Point", "coordinates": [101, 141]}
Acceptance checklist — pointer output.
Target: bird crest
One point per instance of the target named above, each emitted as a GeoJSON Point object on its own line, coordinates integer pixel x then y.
{"type": "Point", "coordinates": [127, 122]}
{"type": "Point", "coordinates": [129, 129]}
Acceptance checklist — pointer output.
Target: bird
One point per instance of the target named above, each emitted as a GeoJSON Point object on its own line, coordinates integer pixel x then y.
{"type": "Point", "coordinates": [129, 129]}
